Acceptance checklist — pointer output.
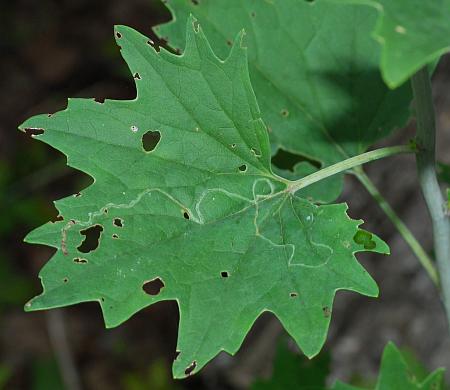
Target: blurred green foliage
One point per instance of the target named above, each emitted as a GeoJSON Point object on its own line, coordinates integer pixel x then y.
{"type": "Point", "coordinates": [400, 370]}
{"type": "Point", "coordinates": [157, 377]}
{"type": "Point", "coordinates": [292, 370]}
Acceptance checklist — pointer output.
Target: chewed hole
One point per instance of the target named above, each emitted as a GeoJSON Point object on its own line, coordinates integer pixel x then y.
{"type": "Point", "coordinates": [99, 100]}
{"type": "Point", "coordinates": [150, 140]}
{"type": "Point", "coordinates": [65, 280]}
{"type": "Point", "coordinates": [137, 76]}
{"type": "Point", "coordinates": [293, 294]}
{"type": "Point", "coordinates": [118, 35]}
{"type": "Point", "coordinates": [186, 215]}
{"type": "Point", "coordinates": [118, 222]}
{"type": "Point", "coordinates": [33, 131]}
{"type": "Point", "coordinates": [177, 353]}
{"type": "Point", "coordinates": [92, 238]}
{"type": "Point", "coordinates": [195, 2]}
{"type": "Point", "coordinates": [233, 145]}
{"type": "Point", "coordinates": [190, 368]}
{"type": "Point", "coordinates": [243, 167]}
{"type": "Point", "coordinates": [154, 286]}
{"type": "Point", "coordinates": [284, 113]}
{"type": "Point", "coordinates": [256, 152]}
{"type": "Point", "coordinates": [224, 274]}
{"type": "Point", "coordinates": [79, 260]}
{"type": "Point", "coordinates": [115, 236]}
{"type": "Point", "coordinates": [326, 311]}
{"type": "Point", "coordinates": [134, 129]}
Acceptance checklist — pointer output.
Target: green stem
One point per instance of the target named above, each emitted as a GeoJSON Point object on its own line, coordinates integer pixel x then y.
{"type": "Point", "coordinates": [400, 225]}
{"type": "Point", "coordinates": [345, 165]}
{"type": "Point", "coordinates": [426, 167]}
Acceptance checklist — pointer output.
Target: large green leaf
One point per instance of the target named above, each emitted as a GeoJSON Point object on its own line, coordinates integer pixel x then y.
{"type": "Point", "coordinates": [200, 219]}
{"type": "Point", "coordinates": [412, 33]}
{"type": "Point", "coordinates": [315, 70]}
{"type": "Point", "coordinates": [397, 373]}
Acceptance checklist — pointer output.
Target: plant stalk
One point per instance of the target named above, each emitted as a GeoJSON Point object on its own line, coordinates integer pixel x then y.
{"type": "Point", "coordinates": [426, 167]}
{"type": "Point", "coordinates": [415, 246]}
{"type": "Point", "coordinates": [347, 164]}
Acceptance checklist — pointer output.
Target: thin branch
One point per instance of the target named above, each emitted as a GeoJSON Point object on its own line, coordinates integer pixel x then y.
{"type": "Point", "coordinates": [426, 167]}
{"type": "Point", "coordinates": [415, 246]}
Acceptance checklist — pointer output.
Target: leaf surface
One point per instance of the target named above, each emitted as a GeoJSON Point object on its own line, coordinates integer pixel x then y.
{"type": "Point", "coordinates": [412, 33]}
{"type": "Point", "coordinates": [315, 70]}
{"type": "Point", "coordinates": [185, 207]}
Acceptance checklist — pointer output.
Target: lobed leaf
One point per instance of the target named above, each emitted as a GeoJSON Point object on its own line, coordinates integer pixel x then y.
{"type": "Point", "coordinates": [185, 207]}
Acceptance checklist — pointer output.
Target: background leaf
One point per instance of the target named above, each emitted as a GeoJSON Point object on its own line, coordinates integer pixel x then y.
{"type": "Point", "coordinates": [412, 33]}
{"type": "Point", "coordinates": [315, 70]}
{"type": "Point", "coordinates": [397, 371]}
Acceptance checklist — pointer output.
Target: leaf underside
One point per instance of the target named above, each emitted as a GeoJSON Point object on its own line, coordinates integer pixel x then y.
{"type": "Point", "coordinates": [194, 213]}
{"type": "Point", "coordinates": [314, 67]}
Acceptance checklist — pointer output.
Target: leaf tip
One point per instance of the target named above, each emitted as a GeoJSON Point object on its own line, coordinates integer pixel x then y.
{"type": "Point", "coordinates": [28, 306]}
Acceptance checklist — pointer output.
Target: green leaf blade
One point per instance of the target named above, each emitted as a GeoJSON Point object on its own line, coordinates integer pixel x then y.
{"type": "Point", "coordinates": [200, 218]}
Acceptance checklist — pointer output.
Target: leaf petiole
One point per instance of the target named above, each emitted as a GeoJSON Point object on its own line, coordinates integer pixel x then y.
{"type": "Point", "coordinates": [347, 164]}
